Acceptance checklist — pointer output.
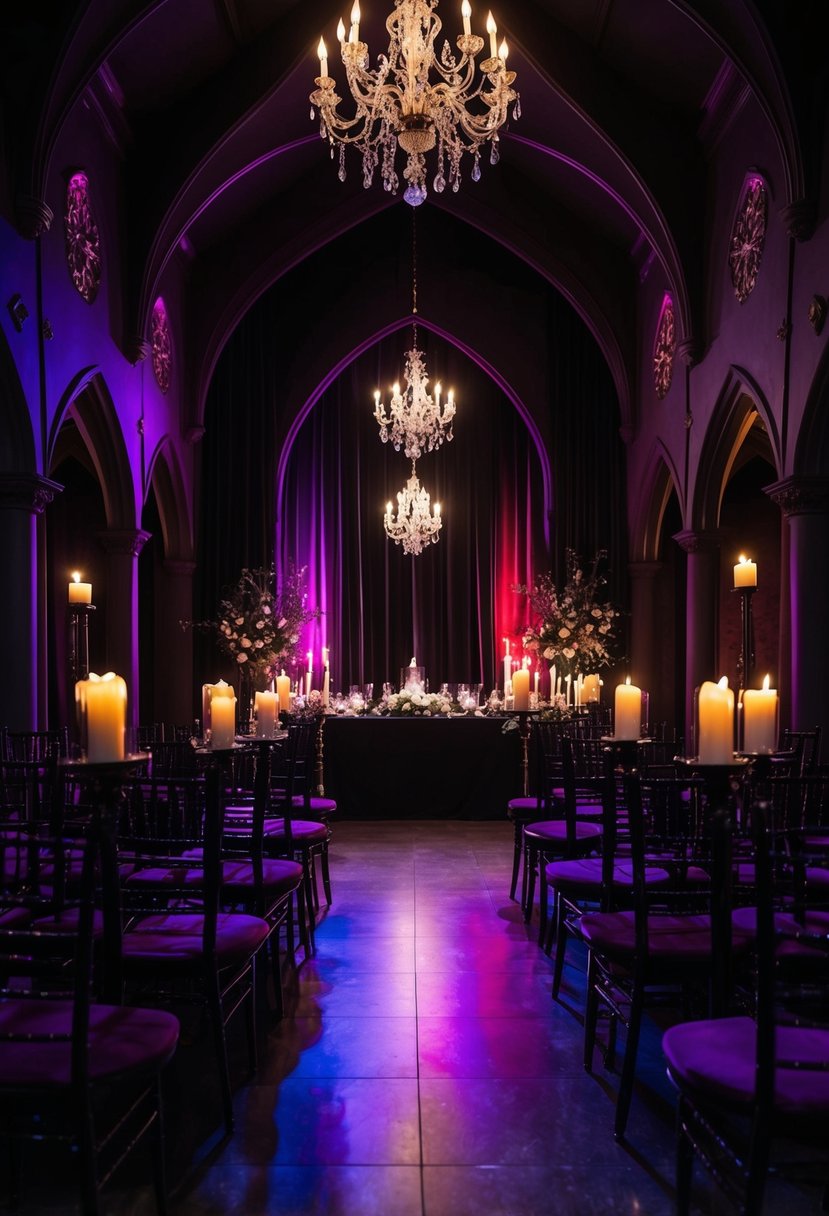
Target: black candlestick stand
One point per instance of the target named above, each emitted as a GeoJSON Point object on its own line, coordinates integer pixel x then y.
{"type": "Point", "coordinates": [79, 641]}
{"type": "Point", "coordinates": [745, 663]}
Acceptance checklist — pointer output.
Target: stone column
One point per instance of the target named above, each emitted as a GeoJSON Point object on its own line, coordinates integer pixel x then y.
{"type": "Point", "coordinates": [804, 502]}
{"type": "Point", "coordinates": [122, 548]}
{"type": "Point", "coordinates": [175, 692]}
{"type": "Point", "coordinates": [643, 636]}
{"type": "Point", "coordinates": [23, 497]}
{"type": "Point", "coordinates": [702, 599]}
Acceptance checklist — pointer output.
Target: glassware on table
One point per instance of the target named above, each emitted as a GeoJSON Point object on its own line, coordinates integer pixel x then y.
{"type": "Point", "coordinates": [368, 692]}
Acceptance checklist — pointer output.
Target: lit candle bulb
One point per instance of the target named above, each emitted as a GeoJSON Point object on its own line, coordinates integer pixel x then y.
{"type": "Point", "coordinates": [340, 31]}
{"type": "Point", "coordinates": [492, 30]}
{"type": "Point", "coordinates": [437, 510]}
{"type": "Point", "coordinates": [466, 13]}
{"type": "Point", "coordinates": [395, 388]}
{"type": "Point", "coordinates": [355, 21]}
{"type": "Point", "coordinates": [323, 54]}
{"type": "Point", "coordinates": [503, 50]}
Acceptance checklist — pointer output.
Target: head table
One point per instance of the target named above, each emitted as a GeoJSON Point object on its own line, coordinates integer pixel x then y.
{"type": "Point", "coordinates": [421, 768]}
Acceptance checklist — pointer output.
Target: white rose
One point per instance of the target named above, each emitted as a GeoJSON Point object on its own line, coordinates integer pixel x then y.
{"type": "Point", "coordinates": [241, 657]}
{"type": "Point", "coordinates": [564, 633]}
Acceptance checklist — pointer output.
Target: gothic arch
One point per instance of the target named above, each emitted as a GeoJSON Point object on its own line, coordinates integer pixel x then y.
{"type": "Point", "coordinates": [733, 421]}
{"type": "Point", "coordinates": [88, 403]}
{"type": "Point", "coordinates": [811, 450]}
{"type": "Point", "coordinates": [174, 503]}
{"type": "Point", "coordinates": [660, 479]}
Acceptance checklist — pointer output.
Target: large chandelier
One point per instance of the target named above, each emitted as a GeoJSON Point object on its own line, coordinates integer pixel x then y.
{"type": "Point", "coordinates": [398, 104]}
{"type": "Point", "coordinates": [415, 421]}
{"type": "Point", "coordinates": [416, 524]}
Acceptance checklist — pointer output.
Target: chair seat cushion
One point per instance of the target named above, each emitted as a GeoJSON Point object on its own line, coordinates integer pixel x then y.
{"type": "Point", "coordinates": [717, 1060]}
{"type": "Point", "coordinates": [67, 922]}
{"type": "Point", "coordinates": [122, 1041]}
{"type": "Point", "coordinates": [315, 805]}
{"type": "Point", "coordinates": [554, 832]}
{"type": "Point", "coordinates": [14, 918]}
{"type": "Point", "coordinates": [304, 831]}
{"type": "Point", "coordinates": [174, 940]}
{"type": "Point", "coordinates": [586, 872]}
{"type": "Point", "coordinates": [815, 923]}
{"type": "Point", "coordinates": [279, 877]}
{"type": "Point", "coordinates": [684, 938]}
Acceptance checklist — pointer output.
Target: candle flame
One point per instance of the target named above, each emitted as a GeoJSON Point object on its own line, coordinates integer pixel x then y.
{"type": "Point", "coordinates": [743, 559]}
{"type": "Point", "coordinates": [722, 682]}
{"type": "Point", "coordinates": [321, 51]}
{"type": "Point", "coordinates": [766, 683]}
{"type": "Point", "coordinates": [503, 49]}
{"type": "Point", "coordinates": [355, 13]}
{"type": "Point", "coordinates": [340, 31]}
{"type": "Point", "coordinates": [627, 681]}
{"type": "Point", "coordinates": [76, 576]}
{"type": "Point", "coordinates": [491, 27]}
{"type": "Point", "coordinates": [466, 9]}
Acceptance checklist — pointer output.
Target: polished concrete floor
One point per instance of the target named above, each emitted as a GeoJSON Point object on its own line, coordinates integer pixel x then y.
{"type": "Point", "coordinates": [423, 1069]}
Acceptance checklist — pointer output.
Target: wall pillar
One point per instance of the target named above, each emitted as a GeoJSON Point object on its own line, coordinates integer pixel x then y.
{"type": "Point", "coordinates": [175, 693]}
{"type": "Point", "coordinates": [643, 635]}
{"type": "Point", "coordinates": [122, 548]}
{"type": "Point", "coordinates": [804, 502]}
{"type": "Point", "coordinates": [702, 599]}
{"type": "Point", "coordinates": [23, 497]}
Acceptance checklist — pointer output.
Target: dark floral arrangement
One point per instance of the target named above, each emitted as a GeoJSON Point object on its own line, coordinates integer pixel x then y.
{"type": "Point", "coordinates": [573, 627]}
{"type": "Point", "coordinates": [258, 625]}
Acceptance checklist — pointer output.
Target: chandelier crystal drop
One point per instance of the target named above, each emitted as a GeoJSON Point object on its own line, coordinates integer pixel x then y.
{"type": "Point", "coordinates": [415, 422]}
{"type": "Point", "coordinates": [416, 99]}
{"type": "Point", "coordinates": [417, 523]}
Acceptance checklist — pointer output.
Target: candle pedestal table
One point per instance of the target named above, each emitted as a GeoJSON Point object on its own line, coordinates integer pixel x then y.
{"type": "Point", "coordinates": [79, 641]}
{"type": "Point", "coordinates": [745, 662]}
{"type": "Point", "coordinates": [103, 783]}
{"type": "Point", "coordinates": [720, 783]}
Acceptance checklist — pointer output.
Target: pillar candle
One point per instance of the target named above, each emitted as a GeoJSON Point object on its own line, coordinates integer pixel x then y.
{"type": "Point", "coordinates": [745, 573]}
{"type": "Point", "coordinates": [326, 687]}
{"type": "Point", "coordinates": [265, 705]}
{"type": "Point", "coordinates": [223, 721]}
{"type": "Point", "coordinates": [102, 705]}
{"type": "Point", "coordinates": [535, 683]}
{"type": "Point", "coordinates": [715, 723]}
{"type": "Point", "coordinates": [79, 593]}
{"type": "Point", "coordinates": [760, 719]}
{"type": "Point", "coordinates": [283, 691]}
{"type": "Point", "coordinates": [521, 689]}
{"type": "Point", "coordinates": [627, 714]}
{"type": "Point", "coordinates": [590, 689]}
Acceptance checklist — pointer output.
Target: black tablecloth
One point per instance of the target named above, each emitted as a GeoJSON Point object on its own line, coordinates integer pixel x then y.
{"type": "Point", "coordinates": [421, 768]}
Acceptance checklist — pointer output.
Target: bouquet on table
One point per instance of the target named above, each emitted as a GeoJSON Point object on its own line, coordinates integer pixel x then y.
{"type": "Point", "coordinates": [572, 626]}
{"type": "Point", "coordinates": [258, 625]}
{"type": "Point", "coordinates": [413, 703]}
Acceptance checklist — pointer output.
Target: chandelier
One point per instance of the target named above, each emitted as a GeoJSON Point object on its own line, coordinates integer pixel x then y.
{"type": "Point", "coordinates": [398, 104]}
{"type": "Point", "coordinates": [416, 526]}
{"type": "Point", "coordinates": [415, 422]}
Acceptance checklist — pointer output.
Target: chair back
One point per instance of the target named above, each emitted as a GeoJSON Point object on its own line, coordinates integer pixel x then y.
{"type": "Point", "coordinates": [547, 737]}
{"type": "Point", "coordinates": [804, 748]}
{"type": "Point", "coordinates": [40, 962]}
{"type": "Point", "coordinates": [37, 745]}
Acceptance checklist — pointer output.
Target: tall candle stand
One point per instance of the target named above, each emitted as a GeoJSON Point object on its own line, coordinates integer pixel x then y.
{"type": "Point", "coordinates": [320, 752]}
{"type": "Point", "coordinates": [524, 716]}
{"type": "Point", "coordinates": [79, 641]}
{"type": "Point", "coordinates": [745, 663]}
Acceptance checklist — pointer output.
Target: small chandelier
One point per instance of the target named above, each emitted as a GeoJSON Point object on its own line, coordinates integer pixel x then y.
{"type": "Point", "coordinates": [416, 526]}
{"type": "Point", "coordinates": [415, 422]}
{"type": "Point", "coordinates": [397, 103]}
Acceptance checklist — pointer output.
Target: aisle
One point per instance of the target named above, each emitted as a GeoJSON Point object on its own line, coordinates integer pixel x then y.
{"type": "Point", "coordinates": [426, 1069]}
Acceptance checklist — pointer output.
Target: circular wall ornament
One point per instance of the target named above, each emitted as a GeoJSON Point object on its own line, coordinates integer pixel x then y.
{"type": "Point", "coordinates": [664, 348]}
{"type": "Point", "coordinates": [748, 236]}
{"type": "Point", "coordinates": [83, 244]}
{"type": "Point", "coordinates": [162, 348]}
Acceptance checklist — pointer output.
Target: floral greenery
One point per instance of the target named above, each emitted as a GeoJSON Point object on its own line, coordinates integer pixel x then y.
{"type": "Point", "coordinates": [257, 625]}
{"type": "Point", "coordinates": [572, 627]}
{"type": "Point", "coordinates": [418, 704]}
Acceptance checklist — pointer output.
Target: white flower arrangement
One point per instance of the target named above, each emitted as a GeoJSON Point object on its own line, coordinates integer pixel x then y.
{"type": "Point", "coordinates": [418, 704]}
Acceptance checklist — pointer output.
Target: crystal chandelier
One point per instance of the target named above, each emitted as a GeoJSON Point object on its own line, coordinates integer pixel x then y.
{"type": "Point", "coordinates": [415, 422]}
{"type": "Point", "coordinates": [416, 526]}
{"type": "Point", "coordinates": [397, 103]}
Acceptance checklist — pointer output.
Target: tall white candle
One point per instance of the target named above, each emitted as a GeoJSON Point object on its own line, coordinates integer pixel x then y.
{"type": "Point", "coordinates": [323, 54]}
{"type": "Point", "coordinates": [715, 723]}
{"type": "Point", "coordinates": [760, 719]}
{"type": "Point", "coordinates": [507, 664]}
{"type": "Point", "coordinates": [283, 691]}
{"type": "Point", "coordinates": [492, 30]}
{"type": "Point", "coordinates": [590, 689]}
{"type": "Point", "coordinates": [326, 687]}
{"type": "Point", "coordinates": [627, 713]}
{"type": "Point", "coordinates": [745, 573]}
{"type": "Point", "coordinates": [222, 721]}
{"type": "Point", "coordinates": [102, 704]}
{"type": "Point", "coordinates": [79, 593]}
{"type": "Point", "coordinates": [266, 707]}
{"type": "Point", "coordinates": [521, 689]}
{"type": "Point", "coordinates": [466, 13]}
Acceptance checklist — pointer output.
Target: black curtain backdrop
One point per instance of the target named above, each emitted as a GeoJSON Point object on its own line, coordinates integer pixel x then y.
{"type": "Point", "coordinates": [450, 606]}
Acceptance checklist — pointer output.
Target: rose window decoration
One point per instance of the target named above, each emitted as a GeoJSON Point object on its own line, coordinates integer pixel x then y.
{"type": "Point", "coordinates": [83, 244]}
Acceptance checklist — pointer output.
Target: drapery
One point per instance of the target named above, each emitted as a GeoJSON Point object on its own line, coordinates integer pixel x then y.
{"type": "Point", "coordinates": [452, 605]}
{"type": "Point", "coordinates": [380, 605]}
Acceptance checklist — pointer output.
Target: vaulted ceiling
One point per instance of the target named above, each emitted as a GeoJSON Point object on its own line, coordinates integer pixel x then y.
{"type": "Point", "coordinates": [602, 180]}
